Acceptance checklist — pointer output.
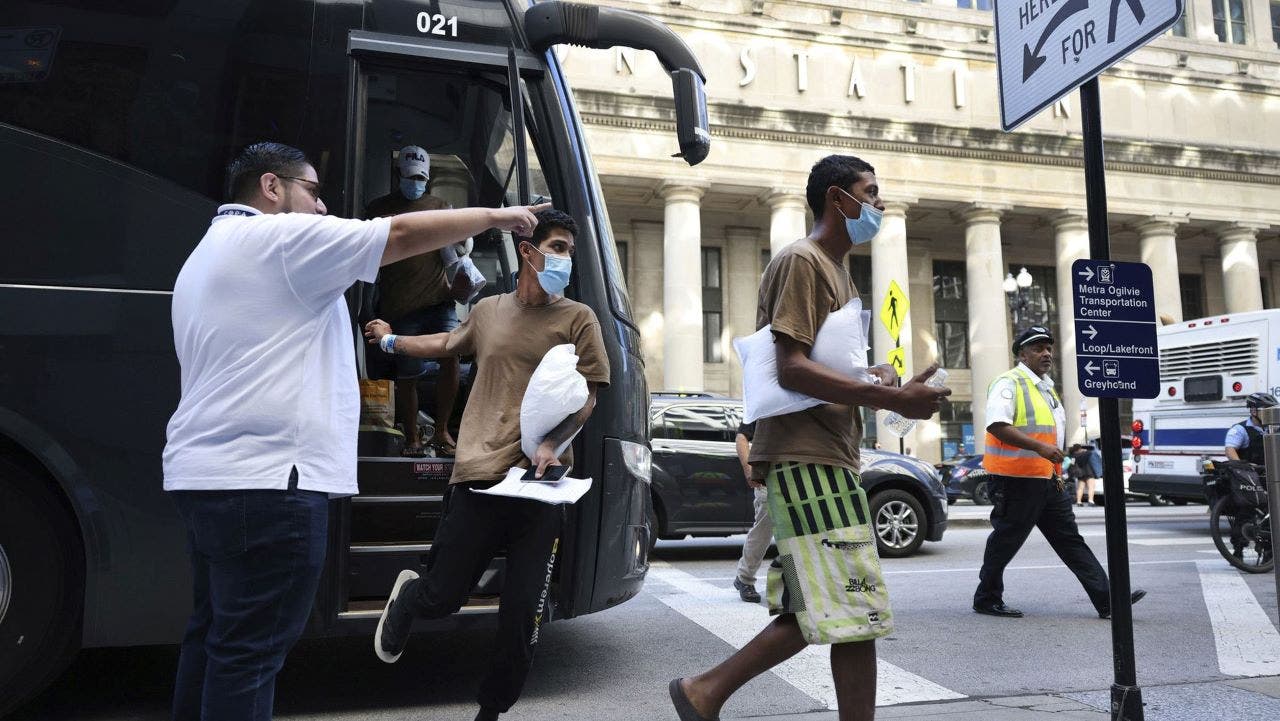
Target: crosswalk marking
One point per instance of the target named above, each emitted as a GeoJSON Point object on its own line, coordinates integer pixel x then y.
{"type": "Point", "coordinates": [1179, 541]}
{"type": "Point", "coordinates": [719, 611]}
{"type": "Point", "coordinates": [1247, 643]}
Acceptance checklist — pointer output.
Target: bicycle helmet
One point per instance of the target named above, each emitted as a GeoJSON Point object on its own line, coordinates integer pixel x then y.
{"type": "Point", "coordinates": [1260, 400]}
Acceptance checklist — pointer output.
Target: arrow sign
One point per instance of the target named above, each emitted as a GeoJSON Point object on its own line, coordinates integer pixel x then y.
{"type": "Point", "coordinates": [1090, 367]}
{"type": "Point", "coordinates": [1138, 14]}
{"type": "Point", "coordinates": [1032, 59]}
{"type": "Point", "coordinates": [1091, 332]}
{"type": "Point", "coordinates": [1088, 273]}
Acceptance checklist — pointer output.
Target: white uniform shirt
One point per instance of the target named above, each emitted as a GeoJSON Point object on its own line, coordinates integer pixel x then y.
{"type": "Point", "coordinates": [1001, 404]}
{"type": "Point", "coordinates": [267, 350]}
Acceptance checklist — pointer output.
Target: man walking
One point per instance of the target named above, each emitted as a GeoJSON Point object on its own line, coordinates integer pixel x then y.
{"type": "Point", "coordinates": [1026, 426]}
{"type": "Point", "coordinates": [761, 533]}
{"type": "Point", "coordinates": [508, 335]}
{"type": "Point", "coordinates": [825, 586]}
{"type": "Point", "coordinates": [265, 431]}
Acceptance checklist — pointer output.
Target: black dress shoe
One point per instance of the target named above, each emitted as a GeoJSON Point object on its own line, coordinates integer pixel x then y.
{"type": "Point", "coordinates": [999, 610]}
{"type": "Point", "coordinates": [1134, 597]}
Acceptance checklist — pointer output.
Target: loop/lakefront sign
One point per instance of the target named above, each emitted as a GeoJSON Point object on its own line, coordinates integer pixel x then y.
{"type": "Point", "coordinates": [1046, 48]}
{"type": "Point", "coordinates": [1115, 328]}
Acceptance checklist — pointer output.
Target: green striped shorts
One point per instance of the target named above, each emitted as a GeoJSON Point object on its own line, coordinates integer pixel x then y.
{"type": "Point", "coordinates": [828, 569]}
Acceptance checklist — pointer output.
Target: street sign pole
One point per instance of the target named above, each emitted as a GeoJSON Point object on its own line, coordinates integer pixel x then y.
{"type": "Point", "coordinates": [1126, 695]}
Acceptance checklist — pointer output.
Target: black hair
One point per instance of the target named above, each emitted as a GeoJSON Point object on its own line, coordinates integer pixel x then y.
{"type": "Point", "coordinates": [549, 220]}
{"type": "Point", "coordinates": [244, 170]}
{"type": "Point", "coordinates": [841, 171]}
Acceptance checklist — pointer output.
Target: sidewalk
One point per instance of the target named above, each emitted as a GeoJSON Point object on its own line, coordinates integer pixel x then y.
{"type": "Point", "coordinates": [1250, 699]}
{"type": "Point", "coordinates": [971, 516]}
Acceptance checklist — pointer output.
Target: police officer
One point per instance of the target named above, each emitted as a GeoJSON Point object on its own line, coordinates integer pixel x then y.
{"type": "Point", "coordinates": [1026, 426]}
{"type": "Point", "coordinates": [1244, 439]}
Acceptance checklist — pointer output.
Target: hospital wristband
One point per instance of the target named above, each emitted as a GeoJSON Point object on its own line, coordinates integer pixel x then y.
{"type": "Point", "coordinates": [388, 343]}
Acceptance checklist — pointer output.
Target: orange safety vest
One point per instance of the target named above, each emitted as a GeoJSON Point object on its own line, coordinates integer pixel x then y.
{"type": "Point", "coordinates": [1034, 417]}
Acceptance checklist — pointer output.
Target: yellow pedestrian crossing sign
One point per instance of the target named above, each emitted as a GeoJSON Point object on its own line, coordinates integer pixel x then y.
{"type": "Point", "coordinates": [893, 313]}
{"type": "Point", "coordinates": [898, 359]}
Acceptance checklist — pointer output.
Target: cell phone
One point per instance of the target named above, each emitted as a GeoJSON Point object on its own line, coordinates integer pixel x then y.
{"type": "Point", "coordinates": [551, 475]}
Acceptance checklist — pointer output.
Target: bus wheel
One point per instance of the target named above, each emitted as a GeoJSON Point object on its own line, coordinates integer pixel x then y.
{"type": "Point", "coordinates": [651, 517]}
{"type": "Point", "coordinates": [41, 586]}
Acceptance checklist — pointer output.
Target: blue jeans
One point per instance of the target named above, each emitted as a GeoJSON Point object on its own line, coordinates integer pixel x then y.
{"type": "Point", "coordinates": [256, 558]}
{"type": "Point", "coordinates": [440, 318]}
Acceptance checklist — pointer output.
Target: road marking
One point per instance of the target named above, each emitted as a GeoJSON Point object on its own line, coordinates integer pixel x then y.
{"type": "Point", "coordinates": [1248, 645]}
{"type": "Point", "coordinates": [1171, 541]}
{"type": "Point", "coordinates": [975, 569]}
{"type": "Point", "coordinates": [720, 611]}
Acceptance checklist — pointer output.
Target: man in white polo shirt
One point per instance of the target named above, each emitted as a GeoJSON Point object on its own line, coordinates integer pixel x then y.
{"type": "Point", "coordinates": [265, 431]}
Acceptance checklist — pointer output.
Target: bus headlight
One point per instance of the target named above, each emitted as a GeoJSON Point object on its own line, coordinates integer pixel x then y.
{"type": "Point", "coordinates": [638, 459]}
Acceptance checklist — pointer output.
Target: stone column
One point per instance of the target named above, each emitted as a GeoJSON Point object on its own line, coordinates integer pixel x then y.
{"type": "Point", "coordinates": [1214, 302]}
{"type": "Point", "coordinates": [1200, 21]}
{"type": "Point", "coordinates": [646, 296]}
{"type": "Point", "coordinates": [786, 219]}
{"type": "Point", "coordinates": [742, 286]}
{"type": "Point", "coordinates": [924, 349]}
{"type": "Point", "coordinates": [1160, 251]}
{"type": "Point", "coordinates": [451, 182]}
{"type": "Point", "coordinates": [988, 310]}
{"type": "Point", "coordinates": [889, 263]}
{"type": "Point", "coordinates": [1258, 13]}
{"type": "Point", "coordinates": [1242, 285]}
{"type": "Point", "coordinates": [1071, 243]}
{"type": "Point", "coordinates": [682, 287]}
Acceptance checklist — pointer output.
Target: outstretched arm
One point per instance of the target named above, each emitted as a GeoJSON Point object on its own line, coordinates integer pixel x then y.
{"type": "Point", "coordinates": [418, 346]}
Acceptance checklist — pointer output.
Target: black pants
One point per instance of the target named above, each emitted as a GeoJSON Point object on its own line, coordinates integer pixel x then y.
{"type": "Point", "coordinates": [1020, 505]}
{"type": "Point", "coordinates": [474, 529]}
{"type": "Point", "coordinates": [256, 558]}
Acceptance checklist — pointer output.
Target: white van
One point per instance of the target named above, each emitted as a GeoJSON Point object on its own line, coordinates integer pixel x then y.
{"type": "Point", "coordinates": [1207, 368]}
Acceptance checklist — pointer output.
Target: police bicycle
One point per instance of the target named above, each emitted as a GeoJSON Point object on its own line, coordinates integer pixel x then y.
{"type": "Point", "coordinates": [1239, 520]}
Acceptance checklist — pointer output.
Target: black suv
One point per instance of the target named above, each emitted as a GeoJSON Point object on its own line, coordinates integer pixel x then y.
{"type": "Point", "coordinates": [699, 489]}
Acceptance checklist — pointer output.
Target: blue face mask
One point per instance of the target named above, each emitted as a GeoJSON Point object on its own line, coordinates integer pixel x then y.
{"type": "Point", "coordinates": [412, 188]}
{"type": "Point", "coordinates": [864, 227]}
{"type": "Point", "coordinates": [555, 278]}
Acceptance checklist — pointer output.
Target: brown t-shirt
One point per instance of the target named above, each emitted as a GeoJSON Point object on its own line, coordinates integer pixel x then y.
{"type": "Point", "coordinates": [801, 286]}
{"type": "Point", "coordinates": [508, 340]}
{"type": "Point", "coordinates": [409, 285]}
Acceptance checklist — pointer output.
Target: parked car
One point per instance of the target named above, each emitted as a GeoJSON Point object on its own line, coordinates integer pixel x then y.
{"type": "Point", "coordinates": [964, 477]}
{"type": "Point", "coordinates": [699, 489]}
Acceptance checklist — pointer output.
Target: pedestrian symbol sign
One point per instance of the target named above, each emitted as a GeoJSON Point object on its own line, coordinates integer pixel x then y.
{"type": "Point", "coordinates": [1047, 48]}
{"type": "Point", "coordinates": [1115, 328]}
{"type": "Point", "coordinates": [898, 359]}
{"type": "Point", "coordinates": [893, 313]}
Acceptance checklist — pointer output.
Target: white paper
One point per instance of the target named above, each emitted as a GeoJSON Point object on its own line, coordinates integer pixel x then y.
{"type": "Point", "coordinates": [566, 490]}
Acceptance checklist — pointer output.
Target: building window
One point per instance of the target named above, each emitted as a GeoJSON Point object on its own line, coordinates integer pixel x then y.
{"type": "Point", "coordinates": [1192, 296]}
{"type": "Point", "coordinates": [1275, 21]}
{"type": "Point", "coordinates": [1266, 293]}
{"type": "Point", "coordinates": [1228, 21]}
{"type": "Point", "coordinates": [712, 306]}
{"type": "Point", "coordinates": [869, 428]}
{"type": "Point", "coordinates": [974, 4]}
{"type": "Point", "coordinates": [957, 429]}
{"type": "Point", "coordinates": [860, 271]}
{"type": "Point", "coordinates": [951, 314]}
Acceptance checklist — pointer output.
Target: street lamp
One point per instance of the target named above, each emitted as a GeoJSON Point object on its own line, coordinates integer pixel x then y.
{"type": "Point", "coordinates": [1019, 291]}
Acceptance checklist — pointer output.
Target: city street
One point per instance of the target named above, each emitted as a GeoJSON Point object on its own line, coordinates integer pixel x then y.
{"type": "Point", "coordinates": [1201, 622]}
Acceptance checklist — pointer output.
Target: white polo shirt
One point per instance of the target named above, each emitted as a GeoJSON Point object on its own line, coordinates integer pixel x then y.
{"type": "Point", "coordinates": [267, 350]}
{"type": "Point", "coordinates": [1001, 404]}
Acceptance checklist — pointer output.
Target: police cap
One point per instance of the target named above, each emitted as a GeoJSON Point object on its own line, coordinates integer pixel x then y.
{"type": "Point", "coordinates": [1034, 334]}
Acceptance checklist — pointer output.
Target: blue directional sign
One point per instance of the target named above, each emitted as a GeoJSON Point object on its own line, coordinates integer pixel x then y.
{"type": "Point", "coordinates": [1115, 329]}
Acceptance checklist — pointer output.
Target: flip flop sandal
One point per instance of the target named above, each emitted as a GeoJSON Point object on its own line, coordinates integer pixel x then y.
{"type": "Point", "coordinates": [684, 707]}
{"type": "Point", "coordinates": [448, 450]}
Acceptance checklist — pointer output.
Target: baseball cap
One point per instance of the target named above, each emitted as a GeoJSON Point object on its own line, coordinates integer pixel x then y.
{"type": "Point", "coordinates": [414, 161]}
{"type": "Point", "coordinates": [1031, 335]}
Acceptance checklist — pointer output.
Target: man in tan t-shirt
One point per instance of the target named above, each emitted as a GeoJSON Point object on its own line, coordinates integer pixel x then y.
{"type": "Point", "coordinates": [825, 586]}
{"type": "Point", "coordinates": [416, 298]}
{"type": "Point", "coordinates": [508, 335]}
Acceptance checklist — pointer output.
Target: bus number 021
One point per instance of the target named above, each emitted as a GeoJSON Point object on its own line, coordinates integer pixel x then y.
{"type": "Point", "coordinates": [435, 24]}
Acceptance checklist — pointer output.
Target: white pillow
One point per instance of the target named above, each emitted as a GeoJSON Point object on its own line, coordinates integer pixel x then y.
{"type": "Point", "coordinates": [556, 391]}
{"type": "Point", "coordinates": [841, 345]}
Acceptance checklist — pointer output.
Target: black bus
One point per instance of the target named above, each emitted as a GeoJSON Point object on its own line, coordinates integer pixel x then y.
{"type": "Point", "coordinates": [116, 121]}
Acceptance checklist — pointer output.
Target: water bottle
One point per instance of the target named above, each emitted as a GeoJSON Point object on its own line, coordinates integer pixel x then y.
{"type": "Point", "coordinates": [900, 426]}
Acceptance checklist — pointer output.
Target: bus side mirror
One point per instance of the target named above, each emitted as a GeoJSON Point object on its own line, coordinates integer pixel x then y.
{"type": "Point", "coordinates": [691, 116]}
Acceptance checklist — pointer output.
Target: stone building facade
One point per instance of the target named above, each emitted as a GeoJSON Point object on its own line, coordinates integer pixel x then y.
{"type": "Point", "coordinates": [1192, 126]}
